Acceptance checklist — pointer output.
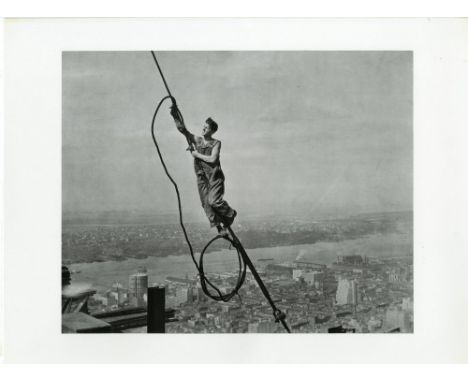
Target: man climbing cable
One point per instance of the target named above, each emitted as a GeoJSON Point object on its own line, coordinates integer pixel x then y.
{"type": "Point", "coordinates": [210, 177]}
{"type": "Point", "coordinates": [210, 180]}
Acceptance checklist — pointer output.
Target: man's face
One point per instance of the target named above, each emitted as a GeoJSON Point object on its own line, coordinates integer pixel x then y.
{"type": "Point", "coordinates": [206, 129]}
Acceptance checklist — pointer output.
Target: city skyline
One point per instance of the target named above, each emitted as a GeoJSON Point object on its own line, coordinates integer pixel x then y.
{"type": "Point", "coordinates": [351, 295]}
{"type": "Point", "coordinates": [353, 276]}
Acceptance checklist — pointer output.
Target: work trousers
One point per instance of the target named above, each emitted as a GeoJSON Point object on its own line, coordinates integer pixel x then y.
{"type": "Point", "coordinates": [211, 196]}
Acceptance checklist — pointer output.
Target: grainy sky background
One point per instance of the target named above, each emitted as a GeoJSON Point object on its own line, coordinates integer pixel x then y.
{"type": "Point", "coordinates": [315, 133]}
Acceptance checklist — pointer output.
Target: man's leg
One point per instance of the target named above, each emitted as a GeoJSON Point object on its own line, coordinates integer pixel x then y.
{"type": "Point", "coordinates": [218, 204]}
{"type": "Point", "coordinates": [203, 191]}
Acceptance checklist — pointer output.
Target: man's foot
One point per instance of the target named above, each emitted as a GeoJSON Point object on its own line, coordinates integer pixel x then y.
{"type": "Point", "coordinates": [229, 220]}
{"type": "Point", "coordinates": [222, 231]}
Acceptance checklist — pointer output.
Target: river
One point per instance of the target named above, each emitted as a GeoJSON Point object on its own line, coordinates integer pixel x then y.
{"type": "Point", "coordinates": [101, 275]}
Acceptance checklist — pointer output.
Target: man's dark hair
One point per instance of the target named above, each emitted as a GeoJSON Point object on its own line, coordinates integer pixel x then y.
{"type": "Point", "coordinates": [213, 125]}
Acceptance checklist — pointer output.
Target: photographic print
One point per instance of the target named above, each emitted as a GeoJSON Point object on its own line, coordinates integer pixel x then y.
{"type": "Point", "coordinates": [237, 192]}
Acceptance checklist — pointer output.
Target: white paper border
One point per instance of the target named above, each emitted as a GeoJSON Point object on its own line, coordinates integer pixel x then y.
{"type": "Point", "coordinates": [33, 180]}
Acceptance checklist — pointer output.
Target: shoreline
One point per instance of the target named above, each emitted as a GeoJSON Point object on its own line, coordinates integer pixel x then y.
{"type": "Point", "coordinates": [197, 253]}
{"type": "Point", "coordinates": [103, 274]}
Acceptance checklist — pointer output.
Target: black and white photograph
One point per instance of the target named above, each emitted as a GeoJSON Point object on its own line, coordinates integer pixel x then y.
{"type": "Point", "coordinates": [237, 192]}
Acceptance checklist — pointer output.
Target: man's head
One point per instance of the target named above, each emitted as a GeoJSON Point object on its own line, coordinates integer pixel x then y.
{"type": "Point", "coordinates": [209, 128]}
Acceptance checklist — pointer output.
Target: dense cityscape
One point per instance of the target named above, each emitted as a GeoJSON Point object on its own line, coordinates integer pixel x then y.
{"type": "Point", "coordinates": [353, 294]}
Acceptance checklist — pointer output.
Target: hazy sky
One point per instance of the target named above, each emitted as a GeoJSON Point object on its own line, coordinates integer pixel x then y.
{"type": "Point", "coordinates": [303, 132]}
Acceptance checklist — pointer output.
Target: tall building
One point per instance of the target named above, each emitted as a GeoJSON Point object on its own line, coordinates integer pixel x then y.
{"type": "Point", "coordinates": [312, 277]}
{"type": "Point", "coordinates": [183, 295]}
{"type": "Point", "coordinates": [198, 293]}
{"type": "Point", "coordinates": [117, 286]}
{"type": "Point", "coordinates": [113, 297]}
{"type": "Point", "coordinates": [138, 286]}
{"type": "Point", "coordinates": [66, 276]}
{"type": "Point", "coordinates": [347, 292]}
{"type": "Point", "coordinates": [397, 318]}
{"type": "Point", "coordinates": [297, 273]}
{"type": "Point", "coordinates": [374, 324]}
{"type": "Point", "coordinates": [117, 294]}
{"type": "Point", "coordinates": [342, 292]}
{"type": "Point", "coordinates": [329, 284]}
{"type": "Point", "coordinates": [407, 304]}
{"type": "Point", "coordinates": [355, 296]}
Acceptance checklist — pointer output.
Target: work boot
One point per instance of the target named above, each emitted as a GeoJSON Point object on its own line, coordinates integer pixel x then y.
{"type": "Point", "coordinates": [222, 231]}
{"type": "Point", "coordinates": [230, 219]}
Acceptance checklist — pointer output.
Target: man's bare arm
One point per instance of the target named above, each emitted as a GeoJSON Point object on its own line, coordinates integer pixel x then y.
{"type": "Point", "coordinates": [181, 126]}
{"type": "Point", "coordinates": [209, 158]}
